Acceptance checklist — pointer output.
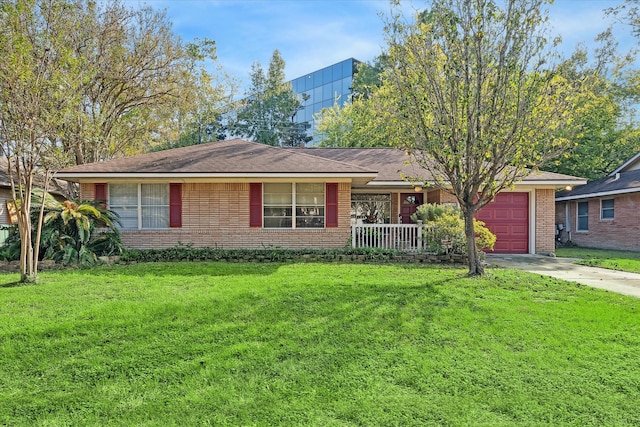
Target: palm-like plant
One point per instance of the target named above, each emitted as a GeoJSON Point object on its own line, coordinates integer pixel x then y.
{"type": "Point", "coordinates": [69, 231]}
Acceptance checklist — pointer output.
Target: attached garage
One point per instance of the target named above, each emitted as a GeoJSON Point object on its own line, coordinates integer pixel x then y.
{"type": "Point", "coordinates": [508, 218]}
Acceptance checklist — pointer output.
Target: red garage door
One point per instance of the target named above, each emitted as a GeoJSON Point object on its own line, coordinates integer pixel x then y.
{"type": "Point", "coordinates": [508, 218]}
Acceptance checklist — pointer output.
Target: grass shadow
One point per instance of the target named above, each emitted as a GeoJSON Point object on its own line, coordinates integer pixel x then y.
{"type": "Point", "coordinates": [16, 284]}
{"type": "Point", "coordinates": [185, 268]}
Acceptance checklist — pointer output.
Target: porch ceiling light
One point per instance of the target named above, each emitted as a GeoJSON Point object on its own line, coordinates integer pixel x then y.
{"type": "Point", "coordinates": [568, 188]}
{"type": "Point", "coordinates": [418, 188]}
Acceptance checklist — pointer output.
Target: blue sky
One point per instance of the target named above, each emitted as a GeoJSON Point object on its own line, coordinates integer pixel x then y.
{"type": "Point", "coordinates": [311, 34]}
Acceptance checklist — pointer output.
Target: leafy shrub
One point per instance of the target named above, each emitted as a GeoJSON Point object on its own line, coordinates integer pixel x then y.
{"type": "Point", "coordinates": [69, 232]}
{"type": "Point", "coordinates": [72, 232]}
{"type": "Point", "coordinates": [183, 252]}
{"type": "Point", "coordinates": [445, 226]}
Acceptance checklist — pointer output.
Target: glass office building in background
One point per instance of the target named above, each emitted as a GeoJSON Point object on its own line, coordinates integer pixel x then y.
{"type": "Point", "coordinates": [324, 87]}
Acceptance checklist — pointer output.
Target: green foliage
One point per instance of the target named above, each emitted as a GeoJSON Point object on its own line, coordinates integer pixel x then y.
{"type": "Point", "coordinates": [313, 344]}
{"type": "Point", "coordinates": [69, 232]}
{"type": "Point", "coordinates": [183, 252]}
{"type": "Point", "coordinates": [446, 226]}
{"type": "Point", "coordinates": [368, 77]}
{"type": "Point", "coordinates": [266, 113]}
{"type": "Point", "coordinates": [72, 233]}
{"type": "Point", "coordinates": [605, 115]}
{"type": "Point", "coordinates": [363, 122]}
{"type": "Point", "coordinates": [477, 98]}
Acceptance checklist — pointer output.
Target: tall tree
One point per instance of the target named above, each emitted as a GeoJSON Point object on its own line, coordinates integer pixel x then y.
{"type": "Point", "coordinates": [141, 84]}
{"type": "Point", "coordinates": [368, 77]}
{"type": "Point", "coordinates": [266, 114]}
{"type": "Point", "coordinates": [608, 133]}
{"type": "Point", "coordinates": [84, 81]}
{"type": "Point", "coordinates": [363, 121]}
{"type": "Point", "coordinates": [39, 79]}
{"type": "Point", "coordinates": [478, 101]}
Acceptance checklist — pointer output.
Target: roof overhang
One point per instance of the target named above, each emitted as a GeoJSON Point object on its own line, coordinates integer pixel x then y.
{"type": "Point", "coordinates": [554, 184]}
{"type": "Point", "coordinates": [598, 194]}
{"type": "Point", "coordinates": [356, 177]}
{"type": "Point", "coordinates": [625, 164]}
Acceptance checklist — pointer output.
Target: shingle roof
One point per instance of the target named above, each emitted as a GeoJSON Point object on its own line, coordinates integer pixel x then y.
{"type": "Point", "coordinates": [238, 157]}
{"type": "Point", "coordinates": [625, 182]}
{"type": "Point", "coordinates": [234, 156]}
{"type": "Point", "coordinates": [389, 162]}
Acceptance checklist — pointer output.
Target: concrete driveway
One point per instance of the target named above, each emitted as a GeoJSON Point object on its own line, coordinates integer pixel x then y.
{"type": "Point", "coordinates": [563, 268]}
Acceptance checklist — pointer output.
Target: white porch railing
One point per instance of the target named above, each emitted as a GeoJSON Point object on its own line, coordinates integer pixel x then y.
{"type": "Point", "coordinates": [401, 237]}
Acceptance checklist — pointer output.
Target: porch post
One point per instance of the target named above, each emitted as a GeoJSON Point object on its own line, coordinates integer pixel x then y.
{"type": "Point", "coordinates": [353, 233]}
{"type": "Point", "coordinates": [419, 223]}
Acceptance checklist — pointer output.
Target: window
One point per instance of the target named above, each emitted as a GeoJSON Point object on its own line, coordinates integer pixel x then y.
{"type": "Point", "coordinates": [296, 205]}
{"type": "Point", "coordinates": [140, 206]}
{"type": "Point", "coordinates": [583, 216]}
{"type": "Point", "coordinates": [154, 201]}
{"type": "Point", "coordinates": [606, 209]}
{"type": "Point", "coordinates": [371, 208]}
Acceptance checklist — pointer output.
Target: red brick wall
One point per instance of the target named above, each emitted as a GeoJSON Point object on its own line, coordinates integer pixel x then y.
{"type": "Point", "coordinates": [621, 232]}
{"type": "Point", "coordinates": [217, 215]}
{"type": "Point", "coordinates": [545, 221]}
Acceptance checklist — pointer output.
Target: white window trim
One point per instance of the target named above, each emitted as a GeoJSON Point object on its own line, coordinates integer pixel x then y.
{"type": "Point", "coordinates": [612, 209]}
{"type": "Point", "coordinates": [578, 229]}
{"type": "Point", "coordinates": [294, 204]}
{"type": "Point", "coordinates": [139, 208]}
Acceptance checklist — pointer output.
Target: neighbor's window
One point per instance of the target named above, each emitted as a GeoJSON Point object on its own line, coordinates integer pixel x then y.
{"type": "Point", "coordinates": [583, 216]}
{"type": "Point", "coordinates": [140, 206]}
{"type": "Point", "coordinates": [294, 205]}
{"type": "Point", "coordinates": [371, 208]}
{"type": "Point", "coordinates": [606, 209]}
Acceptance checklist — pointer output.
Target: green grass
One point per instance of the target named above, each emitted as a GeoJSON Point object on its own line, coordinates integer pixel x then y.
{"type": "Point", "coordinates": [314, 344]}
{"type": "Point", "coordinates": [605, 258]}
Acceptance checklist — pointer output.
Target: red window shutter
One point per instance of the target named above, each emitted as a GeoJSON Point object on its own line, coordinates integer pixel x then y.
{"type": "Point", "coordinates": [331, 208]}
{"type": "Point", "coordinates": [175, 205]}
{"type": "Point", "coordinates": [100, 192]}
{"type": "Point", "coordinates": [255, 204]}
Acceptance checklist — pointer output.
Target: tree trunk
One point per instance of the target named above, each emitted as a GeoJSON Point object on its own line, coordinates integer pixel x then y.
{"type": "Point", "coordinates": [28, 262]}
{"type": "Point", "coordinates": [28, 271]}
{"type": "Point", "coordinates": [476, 268]}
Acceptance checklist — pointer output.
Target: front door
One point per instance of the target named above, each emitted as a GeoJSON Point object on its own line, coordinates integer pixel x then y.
{"type": "Point", "coordinates": [409, 203]}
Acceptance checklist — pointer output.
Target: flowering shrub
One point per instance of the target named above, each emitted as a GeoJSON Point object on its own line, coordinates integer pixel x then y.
{"type": "Point", "coordinates": [446, 229]}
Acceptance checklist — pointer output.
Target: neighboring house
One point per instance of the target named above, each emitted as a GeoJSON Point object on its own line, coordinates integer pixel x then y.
{"type": "Point", "coordinates": [5, 198]}
{"type": "Point", "coordinates": [240, 194]}
{"type": "Point", "coordinates": [604, 213]}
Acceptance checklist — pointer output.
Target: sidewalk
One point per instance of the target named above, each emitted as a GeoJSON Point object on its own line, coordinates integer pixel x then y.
{"type": "Point", "coordinates": [563, 268]}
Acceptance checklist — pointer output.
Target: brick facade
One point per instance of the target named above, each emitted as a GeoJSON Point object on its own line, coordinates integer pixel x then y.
{"type": "Point", "coordinates": [440, 196]}
{"type": "Point", "coordinates": [217, 215]}
{"type": "Point", "coordinates": [545, 221]}
{"type": "Point", "coordinates": [621, 232]}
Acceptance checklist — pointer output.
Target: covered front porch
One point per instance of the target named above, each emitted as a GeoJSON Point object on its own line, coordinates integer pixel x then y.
{"type": "Point", "coordinates": [395, 206]}
{"type": "Point", "coordinates": [412, 238]}
{"type": "Point", "coordinates": [409, 238]}
{"type": "Point", "coordinates": [382, 220]}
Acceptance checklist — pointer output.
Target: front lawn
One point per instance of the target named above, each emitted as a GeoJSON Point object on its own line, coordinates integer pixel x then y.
{"type": "Point", "coordinates": [605, 258]}
{"type": "Point", "coordinates": [314, 344]}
